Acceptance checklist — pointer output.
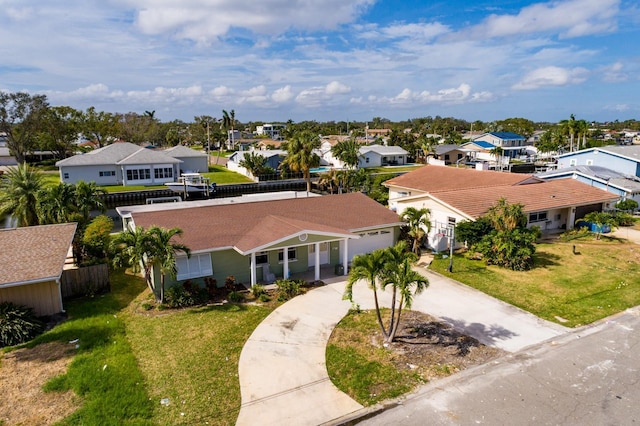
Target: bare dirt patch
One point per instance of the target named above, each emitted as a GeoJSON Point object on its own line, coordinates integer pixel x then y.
{"type": "Point", "coordinates": [23, 373]}
{"type": "Point", "coordinates": [435, 349]}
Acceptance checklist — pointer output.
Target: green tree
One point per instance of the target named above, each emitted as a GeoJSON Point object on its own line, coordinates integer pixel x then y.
{"type": "Point", "coordinates": [347, 151]}
{"type": "Point", "coordinates": [471, 232]}
{"type": "Point", "coordinates": [57, 203]}
{"type": "Point", "coordinates": [19, 189]}
{"type": "Point", "coordinates": [164, 253]}
{"type": "Point", "coordinates": [97, 239]}
{"type": "Point", "coordinates": [228, 123]}
{"type": "Point", "coordinates": [89, 197]}
{"type": "Point", "coordinates": [368, 267]}
{"type": "Point", "coordinates": [497, 152]}
{"type": "Point", "coordinates": [20, 118]}
{"type": "Point", "coordinates": [329, 180]}
{"type": "Point", "coordinates": [419, 225]}
{"type": "Point", "coordinates": [101, 127]}
{"type": "Point", "coordinates": [256, 164]}
{"type": "Point", "coordinates": [601, 220]}
{"type": "Point", "coordinates": [628, 205]}
{"type": "Point", "coordinates": [301, 156]}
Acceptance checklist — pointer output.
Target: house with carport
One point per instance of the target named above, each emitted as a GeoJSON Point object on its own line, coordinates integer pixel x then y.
{"type": "Point", "coordinates": [33, 260]}
{"type": "Point", "coordinates": [263, 237]}
{"type": "Point", "coordinates": [456, 194]}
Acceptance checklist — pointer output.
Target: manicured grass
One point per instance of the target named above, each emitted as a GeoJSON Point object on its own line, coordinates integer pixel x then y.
{"type": "Point", "coordinates": [222, 175]}
{"type": "Point", "coordinates": [394, 169]}
{"type": "Point", "coordinates": [365, 372]}
{"type": "Point", "coordinates": [104, 372]}
{"type": "Point", "coordinates": [601, 280]}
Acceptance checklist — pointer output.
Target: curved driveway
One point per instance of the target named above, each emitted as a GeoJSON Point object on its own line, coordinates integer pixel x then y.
{"type": "Point", "coordinates": [283, 377]}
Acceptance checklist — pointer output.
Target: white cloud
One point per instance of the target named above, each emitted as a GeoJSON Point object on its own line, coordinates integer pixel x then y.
{"type": "Point", "coordinates": [572, 18]}
{"type": "Point", "coordinates": [614, 73]}
{"type": "Point", "coordinates": [317, 95]}
{"type": "Point", "coordinates": [204, 20]}
{"type": "Point", "coordinates": [447, 96]}
{"type": "Point", "coordinates": [336, 88]}
{"type": "Point", "coordinates": [282, 94]}
{"type": "Point", "coordinates": [551, 76]}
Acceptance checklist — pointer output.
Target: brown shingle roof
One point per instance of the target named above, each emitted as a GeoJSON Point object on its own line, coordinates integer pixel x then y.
{"type": "Point", "coordinates": [252, 225]}
{"type": "Point", "coordinates": [542, 196]}
{"type": "Point", "coordinates": [441, 178]}
{"type": "Point", "coordinates": [34, 253]}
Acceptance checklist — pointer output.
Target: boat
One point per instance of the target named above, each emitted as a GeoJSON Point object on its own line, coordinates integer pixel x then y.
{"type": "Point", "coordinates": [192, 184]}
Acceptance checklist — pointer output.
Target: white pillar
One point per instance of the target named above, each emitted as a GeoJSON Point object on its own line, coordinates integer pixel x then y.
{"type": "Point", "coordinates": [345, 256]}
{"type": "Point", "coordinates": [317, 265]}
{"type": "Point", "coordinates": [253, 269]}
{"type": "Point", "coordinates": [285, 258]}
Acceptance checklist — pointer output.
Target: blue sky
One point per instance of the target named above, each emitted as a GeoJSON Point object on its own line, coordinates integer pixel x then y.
{"type": "Point", "coordinates": [274, 60]}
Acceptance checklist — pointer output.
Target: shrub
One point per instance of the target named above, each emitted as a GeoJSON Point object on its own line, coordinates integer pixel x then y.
{"type": "Point", "coordinates": [211, 285]}
{"type": "Point", "coordinates": [18, 324]}
{"type": "Point", "coordinates": [288, 289]}
{"type": "Point", "coordinates": [235, 296]}
{"type": "Point", "coordinates": [257, 290]}
{"type": "Point", "coordinates": [230, 283]}
{"type": "Point", "coordinates": [623, 219]}
{"type": "Point", "coordinates": [185, 295]}
{"type": "Point", "coordinates": [96, 238]}
{"type": "Point", "coordinates": [264, 297]}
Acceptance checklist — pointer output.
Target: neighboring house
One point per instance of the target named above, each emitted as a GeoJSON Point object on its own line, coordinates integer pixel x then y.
{"type": "Point", "coordinates": [268, 144]}
{"type": "Point", "coordinates": [273, 131]}
{"type": "Point", "coordinates": [512, 143]}
{"type": "Point", "coordinates": [622, 185]}
{"type": "Point", "coordinates": [623, 159]}
{"type": "Point", "coordinates": [273, 156]}
{"type": "Point", "coordinates": [6, 159]}
{"type": "Point", "coordinates": [453, 154]}
{"type": "Point", "coordinates": [261, 238]}
{"type": "Point", "coordinates": [456, 194]}
{"type": "Point", "coordinates": [192, 161]}
{"type": "Point", "coordinates": [120, 163]}
{"type": "Point", "coordinates": [32, 260]}
{"type": "Point", "coordinates": [382, 155]}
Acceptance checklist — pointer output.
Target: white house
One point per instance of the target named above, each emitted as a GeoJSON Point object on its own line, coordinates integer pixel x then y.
{"type": "Point", "coordinates": [382, 155]}
{"type": "Point", "coordinates": [273, 131]}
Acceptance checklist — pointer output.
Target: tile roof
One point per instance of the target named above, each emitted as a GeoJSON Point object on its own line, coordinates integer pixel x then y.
{"type": "Point", "coordinates": [432, 178]}
{"type": "Point", "coordinates": [249, 226]}
{"type": "Point", "coordinates": [554, 194]}
{"type": "Point", "coordinates": [34, 253]}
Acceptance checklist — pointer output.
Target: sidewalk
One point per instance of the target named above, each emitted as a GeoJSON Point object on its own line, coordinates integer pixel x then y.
{"type": "Point", "coordinates": [282, 372]}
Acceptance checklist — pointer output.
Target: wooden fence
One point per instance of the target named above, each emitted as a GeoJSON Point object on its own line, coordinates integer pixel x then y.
{"type": "Point", "coordinates": [85, 280]}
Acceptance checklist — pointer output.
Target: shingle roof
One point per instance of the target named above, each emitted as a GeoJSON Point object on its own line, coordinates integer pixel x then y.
{"type": "Point", "coordinates": [148, 156]}
{"type": "Point", "coordinates": [181, 151]}
{"type": "Point", "coordinates": [383, 150]}
{"type": "Point", "coordinates": [109, 154]}
{"type": "Point", "coordinates": [248, 226]}
{"type": "Point", "coordinates": [34, 253]}
{"type": "Point", "coordinates": [441, 178]}
{"type": "Point", "coordinates": [541, 196]}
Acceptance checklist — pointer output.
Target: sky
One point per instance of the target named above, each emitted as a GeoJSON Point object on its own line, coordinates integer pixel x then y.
{"type": "Point", "coordinates": [341, 60]}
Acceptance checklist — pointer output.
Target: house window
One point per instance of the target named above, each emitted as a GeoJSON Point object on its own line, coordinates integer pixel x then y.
{"type": "Point", "coordinates": [292, 255]}
{"type": "Point", "coordinates": [451, 220]}
{"type": "Point", "coordinates": [138, 174]}
{"type": "Point", "coordinates": [66, 175]}
{"type": "Point", "coordinates": [198, 265]}
{"type": "Point", "coordinates": [163, 173]}
{"type": "Point", "coordinates": [537, 217]}
{"type": "Point", "coordinates": [262, 257]}
{"type": "Point", "coordinates": [106, 173]}
{"type": "Point", "coordinates": [366, 160]}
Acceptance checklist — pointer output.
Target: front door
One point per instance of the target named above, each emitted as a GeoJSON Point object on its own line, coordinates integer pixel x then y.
{"type": "Point", "coordinates": [324, 254]}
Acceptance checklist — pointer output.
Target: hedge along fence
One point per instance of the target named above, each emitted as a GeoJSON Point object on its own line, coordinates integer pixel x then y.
{"type": "Point", "coordinates": [85, 280]}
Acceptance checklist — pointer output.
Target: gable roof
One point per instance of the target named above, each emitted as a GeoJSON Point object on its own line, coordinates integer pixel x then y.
{"type": "Point", "coordinates": [34, 253]}
{"type": "Point", "coordinates": [630, 152]}
{"type": "Point", "coordinates": [383, 150]}
{"type": "Point", "coordinates": [505, 135]}
{"type": "Point", "coordinates": [181, 151]}
{"type": "Point", "coordinates": [553, 194]}
{"type": "Point", "coordinates": [432, 178]}
{"type": "Point", "coordinates": [148, 156]}
{"type": "Point", "coordinates": [250, 226]}
{"type": "Point", "coordinates": [619, 180]}
{"type": "Point", "coordinates": [109, 154]}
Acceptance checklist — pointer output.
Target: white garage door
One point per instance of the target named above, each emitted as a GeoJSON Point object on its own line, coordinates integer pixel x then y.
{"type": "Point", "coordinates": [370, 241]}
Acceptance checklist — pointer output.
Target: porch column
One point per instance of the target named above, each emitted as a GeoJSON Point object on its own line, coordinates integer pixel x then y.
{"type": "Point", "coordinates": [571, 217]}
{"type": "Point", "coordinates": [253, 269]}
{"type": "Point", "coordinates": [345, 257]}
{"type": "Point", "coordinates": [317, 264]}
{"type": "Point", "coordinates": [285, 258]}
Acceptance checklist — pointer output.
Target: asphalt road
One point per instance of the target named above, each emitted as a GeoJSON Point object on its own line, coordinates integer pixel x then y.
{"type": "Point", "coordinates": [587, 377]}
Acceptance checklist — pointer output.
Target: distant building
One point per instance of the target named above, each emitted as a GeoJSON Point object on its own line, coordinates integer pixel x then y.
{"type": "Point", "coordinates": [272, 131]}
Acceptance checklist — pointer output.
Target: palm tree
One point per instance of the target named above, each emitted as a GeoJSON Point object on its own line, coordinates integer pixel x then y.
{"type": "Point", "coordinates": [89, 197]}
{"type": "Point", "coordinates": [164, 253]}
{"type": "Point", "coordinates": [19, 194]}
{"type": "Point", "coordinates": [347, 151]}
{"type": "Point", "coordinates": [417, 220]}
{"type": "Point", "coordinates": [57, 203]}
{"type": "Point", "coordinates": [396, 255]}
{"type": "Point", "coordinates": [300, 154]}
{"type": "Point", "coordinates": [229, 122]}
{"type": "Point", "coordinates": [368, 267]}
{"type": "Point", "coordinates": [407, 282]}
{"type": "Point", "coordinates": [497, 152]}
{"type": "Point", "coordinates": [329, 179]}
{"type": "Point", "coordinates": [255, 163]}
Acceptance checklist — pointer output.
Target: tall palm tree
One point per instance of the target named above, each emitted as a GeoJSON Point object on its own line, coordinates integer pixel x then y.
{"type": "Point", "coordinates": [300, 154]}
{"type": "Point", "coordinates": [19, 194]}
{"type": "Point", "coordinates": [419, 225]}
{"type": "Point", "coordinates": [229, 122]}
{"type": "Point", "coordinates": [164, 253]}
{"type": "Point", "coordinates": [57, 203]}
{"type": "Point", "coordinates": [347, 151]}
{"type": "Point", "coordinates": [368, 267]}
{"type": "Point", "coordinates": [497, 152]}
{"type": "Point", "coordinates": [395, 255]}
{"type": "Point", "coordinates": [89, 197]}
{"type": "Point", "coordinates": [407, 282]}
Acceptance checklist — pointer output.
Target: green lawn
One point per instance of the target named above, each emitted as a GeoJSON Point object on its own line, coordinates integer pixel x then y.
{"type": "Point", "coordinates": [394, 169]}
{"type": "Point", "coordinates": [601, 280]}
{"type": "Point", "coordinates": [129, 361]}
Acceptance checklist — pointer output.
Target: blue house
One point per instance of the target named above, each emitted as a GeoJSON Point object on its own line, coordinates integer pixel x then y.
{"type": "Point", "coordinates": [624, 159]}
{"type": "Point", "coordinates": [512, 144]}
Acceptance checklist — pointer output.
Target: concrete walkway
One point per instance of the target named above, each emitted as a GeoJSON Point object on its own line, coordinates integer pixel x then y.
{"type": "Point", "coordinates": [627, 233]}
{"type": "Point", "coordinates": [283, 377]}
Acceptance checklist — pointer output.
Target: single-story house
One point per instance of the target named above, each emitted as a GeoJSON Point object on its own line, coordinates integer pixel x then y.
{"type": "Point", "coordinates": [192, 161]}
{"type": "Point", "coordinates": [124, 163]}
{"type": "Point", "coordinates": [32, 260]}
{"type": "Point", "coordinates": [456, 194]}
{"type": "Point", "coordinates": [620, 184]}
{"type": "Point", "coordinates": [382, 155]}
{"type": "Point", "coordinates": [453, 154]}
{"type": "Point", "coordinates": [273, 159]}
{"type": "Point", "coordinates": [622, 158]}
{"type": "Point", "coordinates": [266, 236]}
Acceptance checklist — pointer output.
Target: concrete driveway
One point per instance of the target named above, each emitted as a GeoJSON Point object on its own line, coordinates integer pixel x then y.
{"type": "Point", "coordinates": [282, 371]}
